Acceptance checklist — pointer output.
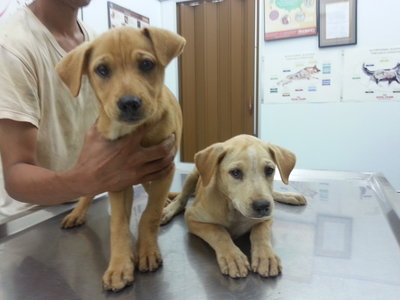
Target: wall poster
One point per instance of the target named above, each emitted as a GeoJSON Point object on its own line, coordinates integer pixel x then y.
{"type": "Point", "coordinates": [372, 74]}
{"type": "Point", "coordinates": [289, 18]}
{"type": "Point", "coordinates": [306, 77]}
{"type": "Point", "coordinates": [121, 16]}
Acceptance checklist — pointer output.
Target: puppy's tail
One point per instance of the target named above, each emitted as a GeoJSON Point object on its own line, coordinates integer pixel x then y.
{"type": "Point", "coordinates": [177, 201]}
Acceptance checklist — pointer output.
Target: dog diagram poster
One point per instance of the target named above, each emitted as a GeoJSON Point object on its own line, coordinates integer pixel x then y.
{"type": "Point", "coordinates": [120, 16]}
{"type": "Point", "coordinates": [290, 18]}
{"type": "Point", "coordinates": [372, 74]}
{"type": "Point", "coordinates": [307, 77]}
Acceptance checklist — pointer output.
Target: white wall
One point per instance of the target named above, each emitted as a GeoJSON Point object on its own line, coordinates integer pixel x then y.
{"type": "Point", "coordinates": [340, 136]}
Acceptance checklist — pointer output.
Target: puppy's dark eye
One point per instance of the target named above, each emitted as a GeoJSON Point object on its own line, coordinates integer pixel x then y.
{"type": "Point", "coordinates": [146, 65]}
{"type": "Point", "coordinates": [236, 173]}
{"type": "Point", "coordinates": [269, 171]}
{"type": "Point", "coordinates": [103, 71]}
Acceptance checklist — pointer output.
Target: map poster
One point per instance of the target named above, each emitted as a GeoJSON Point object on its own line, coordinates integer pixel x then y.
{"type": "Point", "coordinates": [120, 16]}
{"type": "Point", "coordinates": [372, 74]}
{"type": "Point", "coordinates": [290, 18]}
{"type": "Point", "coordinates": [307, 77]}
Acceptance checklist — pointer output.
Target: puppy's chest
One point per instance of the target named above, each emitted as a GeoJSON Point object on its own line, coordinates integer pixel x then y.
{"type": "Point", "coordinates": [238, 225]}
{"type": "Point", "coordinates": [117, 129]}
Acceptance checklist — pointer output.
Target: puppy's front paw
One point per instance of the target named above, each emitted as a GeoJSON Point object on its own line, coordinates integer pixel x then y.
{"type": "Point", "coordinates": [167, 216]}
{"type": "Point", "coordinates": [149, 259]}
{"type": "Point", "coordinates": [266, 263]}
{"type": "Point", "coordinates": [299, 199]}
{"type": "Point", "coordinates": [170, 211]}
{"type": "Point", "coordinates": [289, 198]}
{"type": "Point", "coordinates": [233, 263]}
{"type": "Point", "coordinates": [119, 274]}
{"type": "Point", "coordinates": [73, 219]}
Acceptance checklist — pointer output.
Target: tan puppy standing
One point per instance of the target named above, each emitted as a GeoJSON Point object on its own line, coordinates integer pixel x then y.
{"type": "Point", "coordinates": [125, 67]}
{"type": "Point", "coordinates": [233, 186]}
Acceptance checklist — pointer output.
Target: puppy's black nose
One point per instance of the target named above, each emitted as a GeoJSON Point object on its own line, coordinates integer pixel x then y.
{"type": "Point", "coordinates": [261, 207]}
{"type": "Point", "coordinates": [129, 104]}
{"type": "Point", "coordinates": [130, 109]}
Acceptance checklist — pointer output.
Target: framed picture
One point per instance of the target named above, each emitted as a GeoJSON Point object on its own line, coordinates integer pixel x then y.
{"type": "Point", "coordinates": [337, 23]}
{"type": "Point", "coordinates": [121, 16]}
{"type": "Point", "coordinates": [288, 19]}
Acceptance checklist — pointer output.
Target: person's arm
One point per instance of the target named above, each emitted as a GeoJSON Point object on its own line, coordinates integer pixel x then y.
{"type": "Point", "coordinates": [102, 166]}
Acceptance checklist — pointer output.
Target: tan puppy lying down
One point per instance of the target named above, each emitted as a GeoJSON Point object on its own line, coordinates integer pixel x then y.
{"type": "Point", "coordinates": [125, 67]}
{"type": "Point", "coordinates": [232, 182]}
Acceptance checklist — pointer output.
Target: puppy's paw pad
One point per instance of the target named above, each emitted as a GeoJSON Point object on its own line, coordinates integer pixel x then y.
{"type": "Point", "coordinates": [233, 263]}
{"type": "Point", "coordinates": [267, 265]}
{"type": "Point", "coordinates": [118, 277]}
{"type": "Point", "coordinates": [73, 220]}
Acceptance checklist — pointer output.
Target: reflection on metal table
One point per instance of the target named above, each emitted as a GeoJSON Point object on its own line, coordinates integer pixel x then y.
{"type": "Point", "coordinates": [345, 244]}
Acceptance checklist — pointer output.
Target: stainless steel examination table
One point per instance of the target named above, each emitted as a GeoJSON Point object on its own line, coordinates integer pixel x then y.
{"type": "Point", "coordinates": [345, 244]}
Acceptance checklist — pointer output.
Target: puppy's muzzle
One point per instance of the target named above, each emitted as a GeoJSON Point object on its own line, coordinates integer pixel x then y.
{"type": "Point", "coordinates": [261, 208]}
{"type": "Point", "coordinates": [130, 109]}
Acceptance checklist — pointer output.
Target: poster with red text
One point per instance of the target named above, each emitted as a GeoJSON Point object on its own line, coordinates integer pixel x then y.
{"type": "Point", "coordinates": [372, 74]}
{"type": "Point", "coordinates": [303, 77]}
{"type": "Point", "coordinates": [290, 18]}
{"type": "Point", "coordinates": [121, 16]}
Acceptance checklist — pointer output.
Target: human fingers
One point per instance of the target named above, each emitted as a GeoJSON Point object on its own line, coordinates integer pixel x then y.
{"type": "Point", "coordinates": [158, 164]}
{"type": "Point", "coordinates": [162, 150]}
{"type": "Point", "coordinates": [93, 135]}
{"type": "Point", "coordinates": [139, 133]}
{"type": "Point", "coordinates": [161, 173]}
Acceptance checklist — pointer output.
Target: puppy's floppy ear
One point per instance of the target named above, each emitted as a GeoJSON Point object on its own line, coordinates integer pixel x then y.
{"type": "Point", "coordinates": [284, 159]}
{"type": "Point", "coordinates": [72, 66]}
{"type": "Point", "coordinates": [207, 161]}
{"type": "Point", "coordinates": [167, 45]}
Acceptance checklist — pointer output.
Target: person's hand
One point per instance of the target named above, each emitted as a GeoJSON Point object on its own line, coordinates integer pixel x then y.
{"type": "Point", "coordinates": [106, 165]}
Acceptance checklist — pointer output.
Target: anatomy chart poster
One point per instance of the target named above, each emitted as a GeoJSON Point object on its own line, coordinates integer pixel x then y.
{"type": "Point", "coordinates": [372, 74]}
{"type": "Point", "coordinates": [290, 18]}
{"type": "Point", "coordinates": [307, 77]}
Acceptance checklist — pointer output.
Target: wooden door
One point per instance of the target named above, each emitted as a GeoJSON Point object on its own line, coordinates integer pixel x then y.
{"type": "Point", "coordinates": [217, 71]}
